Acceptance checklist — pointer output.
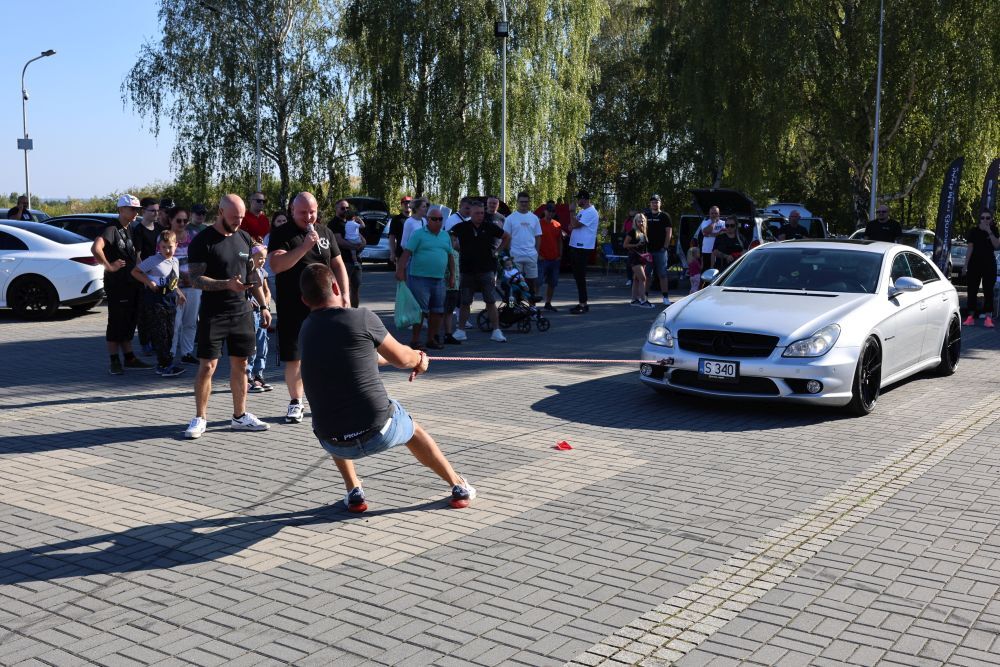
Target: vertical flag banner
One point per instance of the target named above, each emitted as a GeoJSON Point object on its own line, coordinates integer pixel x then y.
{"type": "Point", "coordinates": [946, 213]}
{"type": "Point", "coordinates": [989, 199]}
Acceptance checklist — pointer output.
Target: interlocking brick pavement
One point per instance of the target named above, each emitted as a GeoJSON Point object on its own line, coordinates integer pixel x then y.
{"type": "Point", "coordinates": [122, 543]}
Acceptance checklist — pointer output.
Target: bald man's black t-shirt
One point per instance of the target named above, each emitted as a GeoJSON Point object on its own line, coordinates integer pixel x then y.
{"type": "Point", "coordinates": [223, 257]}
{"type": "Point", "coordinates": [289, 237]}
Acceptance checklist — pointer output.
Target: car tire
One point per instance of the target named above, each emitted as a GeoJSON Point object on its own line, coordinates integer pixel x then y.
{"type": "Point", "coordinates": [951, 348]}
{"type": "Point", "coordinates": [867, 378]}
{"type": "Point", "coordinates": [33, 297]}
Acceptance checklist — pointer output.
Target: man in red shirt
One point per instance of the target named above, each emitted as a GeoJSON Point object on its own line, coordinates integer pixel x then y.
{"type": "Point", "coordinates": [256, 223]}
{"type": "Point", "coordinates": [550, 253]}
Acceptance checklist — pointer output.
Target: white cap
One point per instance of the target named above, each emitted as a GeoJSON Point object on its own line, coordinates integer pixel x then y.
{"type": "Point", "coordinates": [128, 200]}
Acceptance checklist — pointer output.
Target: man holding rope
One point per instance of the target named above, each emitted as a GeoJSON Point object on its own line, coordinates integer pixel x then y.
{"type": "Point", "coordinates": [353, 417]}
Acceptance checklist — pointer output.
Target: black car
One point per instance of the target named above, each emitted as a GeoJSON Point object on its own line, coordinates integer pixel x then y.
{"type": "Point", "coordinates": [88, 225]}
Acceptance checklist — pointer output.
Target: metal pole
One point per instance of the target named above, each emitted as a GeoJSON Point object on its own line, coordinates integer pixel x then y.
{"type": "Point", "coordinates": [878, 113]}
{"type": "Point", "coordinates": [503, 115]}
{"type": "Point", "coordinates": [256, 100]}
{"type": "Point", "coordinates": [24, 120]}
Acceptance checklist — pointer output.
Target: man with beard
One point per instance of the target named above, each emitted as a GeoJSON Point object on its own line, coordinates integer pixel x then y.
{"type": "Point", "coordinates": [219, 265]}
{"type": "Point", "coordinates": [348, 248]}
{"type": "Point", "coordinates": [292, 247]}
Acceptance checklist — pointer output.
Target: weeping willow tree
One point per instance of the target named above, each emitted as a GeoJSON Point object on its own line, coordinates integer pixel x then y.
{"type": "Point", "coordinates": [200, 77]}
{"type": "Point", "coordinates": [426, 84]}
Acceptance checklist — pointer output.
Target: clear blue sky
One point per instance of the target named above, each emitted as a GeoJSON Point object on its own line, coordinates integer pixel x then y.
{"type": "Point", "coordinates": [86, 142]}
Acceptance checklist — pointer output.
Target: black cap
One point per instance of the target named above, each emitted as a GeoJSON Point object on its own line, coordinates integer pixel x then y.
{"type": "Point", "coordinates": [199, 209]}
{"type": "Point", "coordinates": [583, 194]}
{"type": "Point", "coordinates": [167, 202]}
{"type": "Point", "coordinates": [551, 208]}
{"type": "Point", "coordinates": [655, 198]}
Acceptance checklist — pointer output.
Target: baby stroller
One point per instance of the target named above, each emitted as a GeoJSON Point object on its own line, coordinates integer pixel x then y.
{"type": "Point", "coordinates": [515, 309]}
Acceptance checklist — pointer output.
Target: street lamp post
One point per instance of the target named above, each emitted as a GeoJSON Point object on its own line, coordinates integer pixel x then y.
{"type": "Point", "coordinates": [256, 85]}
{"type": "Point", "coordinates": [25, 144]}
{"type": "Point", "coordinates": [503, 32]}
{"type": "Point", "coordinates": [878, 112]}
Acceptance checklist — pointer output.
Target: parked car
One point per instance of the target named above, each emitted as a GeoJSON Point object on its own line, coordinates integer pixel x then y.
{"type": "Point", "coordinates": [43, 267]}
{"type": "Point", "coordinates": [375, 213]}
{"type": "Point", "coordinates": [959, 251]}
{"type": "Point", "coordinates": [36, 215]}
{"type": "Point", "coordinates": [87, 225]}
{"type": "Point", "coordinates": [817, 322]}
{"type": "Point", "coordinates": [812, 226]}
{"type": "Point", "coordinates": [919, 239]}
{"type": "Point", "coordinates": [752, 228]}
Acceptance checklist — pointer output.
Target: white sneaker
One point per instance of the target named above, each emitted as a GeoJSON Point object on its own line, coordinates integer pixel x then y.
{"type": "Point", "coordinates": [460, 335]}
{"type": "Point", "coordinates": [195, 428]}
{"type": "Point", "coordinates": [469, 324]}
{"type": "Point", "coordinates": [248, 422]}
{"type": "Point", "coordinates": [498, 337]}
{"type": "Point", "coordinates": [666, 300]}
{"type": "Point", "coordinates": [294, 414]}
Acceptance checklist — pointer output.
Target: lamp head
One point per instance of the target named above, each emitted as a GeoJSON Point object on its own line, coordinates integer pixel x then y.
{"type": "Point", "coordinates": [50, 52]}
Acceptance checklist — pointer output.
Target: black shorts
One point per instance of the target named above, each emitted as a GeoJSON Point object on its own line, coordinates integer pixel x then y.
{"type": "Point", "coordinates": [123, 312]}
{"type": "Point", "coordinates": [236, 331]}
{"type": "Point", "coordinates": [292, 313]}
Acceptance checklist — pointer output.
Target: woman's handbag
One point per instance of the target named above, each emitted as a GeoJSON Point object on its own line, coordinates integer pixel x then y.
{"type": "Point", "coordinates": [646, 257]}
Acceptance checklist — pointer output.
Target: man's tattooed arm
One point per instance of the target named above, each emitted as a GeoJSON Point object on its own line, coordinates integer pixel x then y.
{"type": "Point", "coordinates": [203, 282]}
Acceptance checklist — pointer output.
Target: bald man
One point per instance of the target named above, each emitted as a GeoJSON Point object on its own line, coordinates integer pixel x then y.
{"type": "Point", "coordinates": [219, 264]}
{"type": "Point", "coordinates": [291, 248]}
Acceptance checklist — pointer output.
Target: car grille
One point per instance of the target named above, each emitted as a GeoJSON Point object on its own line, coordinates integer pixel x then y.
{"type": "Point", "coordinates": [726, 343]}
{"type": "Point", "coordinates": [745, 385]}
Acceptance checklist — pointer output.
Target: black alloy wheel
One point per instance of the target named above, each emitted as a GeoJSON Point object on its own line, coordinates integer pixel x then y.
{"type": "Point", "coordinates": [867, 378]}
{"type": "Point", "coordinates": [951, 348]}
{"type": "Point", "coordinates": [33, 297]}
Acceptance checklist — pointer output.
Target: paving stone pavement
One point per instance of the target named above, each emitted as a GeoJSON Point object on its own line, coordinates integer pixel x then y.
{"type": "Point", "coordinates": [121, 543]}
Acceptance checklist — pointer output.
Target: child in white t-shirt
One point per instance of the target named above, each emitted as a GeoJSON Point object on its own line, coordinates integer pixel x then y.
{"type": "Point", "coordinates": [352, 234]}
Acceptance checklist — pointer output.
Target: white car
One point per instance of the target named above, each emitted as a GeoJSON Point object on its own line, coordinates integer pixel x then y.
{"type": "Point", "coordinates": [43, 267]}
{"type": "Point", "coordinates": [823, 322]}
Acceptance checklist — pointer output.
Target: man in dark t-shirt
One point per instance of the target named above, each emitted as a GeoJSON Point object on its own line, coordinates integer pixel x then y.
{"type": "Point", "coordinates": [660, 232]}
{"type": "Point", "coordinates": [478, 266]}
{"type": "Point", "coordinates": [219, 265]}
{"type": "Point", "coordinates": [291, 248]}
{"type": "Point", "coordinates": [396, 229]}
{"type": "Point", "coordinates": [115, 250]}
{"type": "Point", "coordinates": [883, 228]}
{"type": "Point", "coordinates": [352, 414]}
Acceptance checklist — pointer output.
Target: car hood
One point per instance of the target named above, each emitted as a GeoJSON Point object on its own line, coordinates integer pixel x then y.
{"type": "Point", "coordinates": [788, 315]}
{"type": "Point", "coordinates": [730, 202]}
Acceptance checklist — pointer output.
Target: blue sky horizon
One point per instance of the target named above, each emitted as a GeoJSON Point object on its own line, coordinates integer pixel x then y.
{"type": "Point", "coordinates": [87, 142]}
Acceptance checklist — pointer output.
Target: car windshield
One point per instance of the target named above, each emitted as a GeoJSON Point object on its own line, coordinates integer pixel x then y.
{"type": "Point", "coordinates": [55, 234]}
{"type": "Point", "coordinates": [814, 269]}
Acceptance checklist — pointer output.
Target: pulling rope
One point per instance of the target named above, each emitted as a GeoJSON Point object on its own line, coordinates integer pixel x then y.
{"type": "Point", "coordinates": [539, 360]}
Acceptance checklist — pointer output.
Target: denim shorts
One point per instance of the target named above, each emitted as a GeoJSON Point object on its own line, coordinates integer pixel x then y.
{"type": "Point", "coordinates": [549, 271]}
{"type": "Point", "coordinates": [429, 292]}
{"type": "Point", "coordinates": [398, 430]}
{"type": "Point", "coordinates": [660, 264]}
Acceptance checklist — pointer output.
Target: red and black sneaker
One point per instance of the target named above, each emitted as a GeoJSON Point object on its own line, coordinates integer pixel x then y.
{"type": "Point", "coordinates": [462, 494]}
{"type": "Point", "coordinates": [355, 500]}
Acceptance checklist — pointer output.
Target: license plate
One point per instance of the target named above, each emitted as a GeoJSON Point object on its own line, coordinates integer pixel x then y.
{"type": "Point", "coordinates": [721, 371]}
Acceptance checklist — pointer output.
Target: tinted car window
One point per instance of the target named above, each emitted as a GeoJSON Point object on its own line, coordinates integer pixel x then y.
{"type": "Point", "coordinates": [900, 267]}
{"type": "Point", "coordinates": [56, 234]}
{"type": "Point", "coordinates": [921, 268]}
{"type": "Point", "coordinates": [814, 269]}
{"type": "Point", "coordinates": [11, 242]}
{"type": "Point", "coordinates": [90, 229]}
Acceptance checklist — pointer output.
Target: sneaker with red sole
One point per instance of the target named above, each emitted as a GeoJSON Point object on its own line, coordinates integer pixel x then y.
{"type": "Point", "coordinates": [462, 495]}
{"type": "Point", "coordinates": [355, 500]}
{"type": "Point", "coordinates": [969, 321]}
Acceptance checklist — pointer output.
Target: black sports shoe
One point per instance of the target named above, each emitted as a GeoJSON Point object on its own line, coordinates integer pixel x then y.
{"type": "Point", "coordinates": [116, 367]}
{"type": "Point", "coordinates": [190, 359]}
{"type": "Point", "coordinates": [451, 340]}
{"type": "Point", "coordinates": [355, 500]}
{"type": "Point", "coordinates": [580, 309]}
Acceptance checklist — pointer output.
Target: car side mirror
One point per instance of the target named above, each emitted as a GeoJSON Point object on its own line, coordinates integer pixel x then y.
{"type": "Point", "coordinates": [905, 284]}
{"type": "Point", "coordinates": [708, 277]}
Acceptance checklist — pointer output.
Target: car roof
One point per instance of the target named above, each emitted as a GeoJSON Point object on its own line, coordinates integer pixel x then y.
{"type": "Point", "coordinates": [861, 245]}
{"type": "Point", "coordinates": [92, 216]}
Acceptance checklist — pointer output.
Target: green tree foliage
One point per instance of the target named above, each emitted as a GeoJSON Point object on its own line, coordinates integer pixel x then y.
{"type": "Point", "coordinates": [200, 77]}
{"type": "Point", "coordinates": [426, 80]}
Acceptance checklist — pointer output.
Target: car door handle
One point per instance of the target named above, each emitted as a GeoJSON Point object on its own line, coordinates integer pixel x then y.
{"type": "Point", "coordinates": [8, 259]}
{"type": "Point", "coordinates": [923, 305]}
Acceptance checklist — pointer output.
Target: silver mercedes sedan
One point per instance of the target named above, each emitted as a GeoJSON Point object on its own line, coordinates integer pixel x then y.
{"type": "Point", "coordinates": [824, 322]}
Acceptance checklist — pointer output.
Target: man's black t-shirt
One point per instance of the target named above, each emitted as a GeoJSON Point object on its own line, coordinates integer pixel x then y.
{"type": "Point", "coordinates": [982, 247]}
{"type": "Point", "coordinates": [340, 370]}
{"type": "Point", "coordinates": [118, 244]}
{"type": "Point", "coordinates": [475, 246]}
{"type": "Point", "coordinates": [883, 231]}
{"type": "Point", "coordinates": [146, 239]}
{"type": "Point", "coordinates": [289, 237]}
{"type": "Point", "coordinates": [396, 229]}
{"type": "Point", "coordinates": [223, 257]}
{"type": "Point", "coordinates": [791, 230]}
{"type": "Point", "coordinates": [657, 225]}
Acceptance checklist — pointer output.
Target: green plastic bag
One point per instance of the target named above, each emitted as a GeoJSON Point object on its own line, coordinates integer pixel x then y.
{"type": "Point", "coordinates": [407, 309]}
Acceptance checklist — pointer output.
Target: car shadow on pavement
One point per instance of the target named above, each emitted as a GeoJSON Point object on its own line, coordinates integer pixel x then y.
{"type": "Point", "coordinates": [168, 545]}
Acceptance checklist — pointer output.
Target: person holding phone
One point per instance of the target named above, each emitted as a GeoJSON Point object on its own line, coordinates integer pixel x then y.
{"type": "Point", "coordinates": [981, 267]}
{"type": "Point", "coordinates": [582, 239]}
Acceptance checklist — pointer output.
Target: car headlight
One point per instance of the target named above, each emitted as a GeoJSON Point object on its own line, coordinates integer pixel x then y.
{"type": "Point", "coordinates": [659, 334]}
{"type": "Point", "coordinates": [816, 345]}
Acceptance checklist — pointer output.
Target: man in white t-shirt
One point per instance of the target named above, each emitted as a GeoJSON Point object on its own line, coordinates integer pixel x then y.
{"type": "Point", "coordinates": [582, 239]}
{"type": "Point", "coordinates": [709, 228]}
{"type": "Point", "coordinates": [463, 213]}
{"type": "Point", "coordinates": [525, 236]}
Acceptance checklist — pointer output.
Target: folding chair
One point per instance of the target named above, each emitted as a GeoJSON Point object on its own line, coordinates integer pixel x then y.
{"type": "Point", "coordinates": [610, 258]}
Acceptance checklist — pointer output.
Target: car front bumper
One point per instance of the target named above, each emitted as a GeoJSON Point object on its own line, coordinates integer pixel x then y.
{"type": "Point", "coordinates": [769, 378]}
{"type": "Point", "coordinates": [375, 254]}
